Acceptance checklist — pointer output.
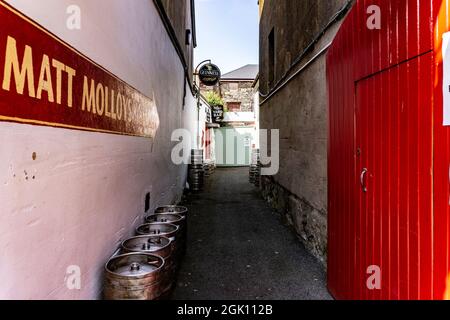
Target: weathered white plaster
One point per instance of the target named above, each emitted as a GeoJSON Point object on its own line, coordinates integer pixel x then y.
{"type": "Point", "coordinates": [85, 191]}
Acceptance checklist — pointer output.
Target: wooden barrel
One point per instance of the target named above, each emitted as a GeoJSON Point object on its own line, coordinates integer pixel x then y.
{"type": "Point", "coordinates": [134, 276]}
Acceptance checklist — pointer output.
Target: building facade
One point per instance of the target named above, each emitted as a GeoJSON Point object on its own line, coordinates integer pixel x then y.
{"type": "Point", "coordinates": [294, 36]}
{"type": "Point", "coordinates": [236, 89]}
{"type": "Point", "coordinates": [237, 134]}
{"type": "Point", "coordinates": [120, 171]}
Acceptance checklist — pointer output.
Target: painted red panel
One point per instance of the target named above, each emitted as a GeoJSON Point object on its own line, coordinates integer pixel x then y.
{"type": "Point", "coordinates": [441, 226]}
{"type": "Point", "coordinates": [57, 79]}
{"type": "Point", "coordinates": [385, 113]}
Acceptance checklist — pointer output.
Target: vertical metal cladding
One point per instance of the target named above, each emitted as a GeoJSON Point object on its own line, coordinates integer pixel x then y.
{"type": "Point", "coordinates": [386, 136]}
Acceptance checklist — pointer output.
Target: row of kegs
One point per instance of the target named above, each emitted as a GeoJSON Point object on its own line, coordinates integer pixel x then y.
{"type": "Point", "coordinates": [255, 168]}
{"type": "Point", "coordinates": [209, 168]}
{"type": "Point", "coordinates": [196, 171]}
{"type": "Point", "coordinates": [147, 264]}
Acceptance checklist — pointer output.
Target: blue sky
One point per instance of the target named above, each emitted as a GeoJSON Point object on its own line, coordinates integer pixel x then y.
{"type": "Point", "coordinates": [227, 32]}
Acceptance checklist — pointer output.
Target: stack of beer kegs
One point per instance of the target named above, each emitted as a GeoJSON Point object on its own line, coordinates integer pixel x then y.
{"type": "Point", "coordinates": [145, 268]}
{"type": "Point", "coordinates": [209, 168]}
{"type": "Point", "coordinates": [255, 168]}
{"type": "Point", "coordinates": [196, 171]}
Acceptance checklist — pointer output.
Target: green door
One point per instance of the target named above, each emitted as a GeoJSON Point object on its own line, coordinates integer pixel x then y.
{"type": "Point", "coordinates": [233, 146]}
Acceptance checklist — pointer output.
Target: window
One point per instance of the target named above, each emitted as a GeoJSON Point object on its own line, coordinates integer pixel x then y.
{"type": "Point", "coordinates": [147, 202]}
{"type": "Point", "coordinates": [233, 86]}
{"type": "Point", "coordinates": [272, 57]}
{"type": "Point", "coordinates": [188, 37]}
{"type": "Point", "coordinates": [234, 106]}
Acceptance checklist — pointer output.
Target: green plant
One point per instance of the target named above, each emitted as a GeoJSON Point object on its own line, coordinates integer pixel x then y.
{"type": "Point", "coordinates": [214, 99]}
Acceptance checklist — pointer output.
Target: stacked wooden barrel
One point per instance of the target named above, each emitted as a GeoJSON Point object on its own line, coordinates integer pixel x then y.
{"type": "Point", "coordinates": [147, 264]}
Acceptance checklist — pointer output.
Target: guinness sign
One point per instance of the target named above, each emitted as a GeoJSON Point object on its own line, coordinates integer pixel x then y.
{"type": "Point", "coordinates": [209, 74]}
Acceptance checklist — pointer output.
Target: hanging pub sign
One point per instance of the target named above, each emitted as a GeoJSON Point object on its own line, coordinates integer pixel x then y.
{"type": "Point", "coordinates": [209, 74]}
{"type": "Point", "coordinates": [46, 82]}
{"type": "Point", "coordinates": [218, 113]}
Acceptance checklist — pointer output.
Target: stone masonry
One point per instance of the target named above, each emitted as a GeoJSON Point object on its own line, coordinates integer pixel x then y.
{"type": "Point", "coordinates": [307, 222]}
{"type": "Point", "coordinates": [238, 91]}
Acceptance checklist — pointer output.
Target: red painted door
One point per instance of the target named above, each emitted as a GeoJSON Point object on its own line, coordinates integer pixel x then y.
{"type": "Point", "coordinates": [394, 170]}
{"type": "Point", "coordinates": [386, 116]}
{"type": "Point", "coordinates": [208, 144]}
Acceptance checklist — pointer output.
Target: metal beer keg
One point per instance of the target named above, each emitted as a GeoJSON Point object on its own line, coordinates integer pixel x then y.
{"type": "Point", "coordinates": [134, 276]}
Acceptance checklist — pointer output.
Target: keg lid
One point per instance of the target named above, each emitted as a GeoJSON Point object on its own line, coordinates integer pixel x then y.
{"type": "Point", "coordinates": [157, 229]}
{"type": "Point", "coordinates": [164, 218]}
{"type": "Point", "coordinates": [172, 209]}
{"type": "Point", "coordinates": [148, 244]}
{"type": "Point", "coordinates": [134, 265]}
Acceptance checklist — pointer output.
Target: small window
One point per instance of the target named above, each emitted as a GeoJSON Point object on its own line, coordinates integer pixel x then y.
{"type": "Point", "coordinates": [147, 202]}
{"type": "Point", "coordinates": [188, 37]}
{"type": "Point", "coordinates": [234, 86]}
{"type": "Point", "coordinates": [234, 106]}
{"type": "Point", "coordinates": [272, 57]}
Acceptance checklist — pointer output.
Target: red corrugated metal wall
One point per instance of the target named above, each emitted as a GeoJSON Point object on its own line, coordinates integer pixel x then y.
{"type": "Point", "coordinates": [385, 111]}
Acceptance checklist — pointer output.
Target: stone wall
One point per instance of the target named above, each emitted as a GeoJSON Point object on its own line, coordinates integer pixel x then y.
{"type": "Point", "coordinates": [308, 222]}
{"type": "Point", "coordinates": [239, 91]}
{"type": "Point", "coordinates": [300, 111]}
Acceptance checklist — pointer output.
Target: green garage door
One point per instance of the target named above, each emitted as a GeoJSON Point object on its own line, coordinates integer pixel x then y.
{"type": "Point", "coordinates": [233, 146]}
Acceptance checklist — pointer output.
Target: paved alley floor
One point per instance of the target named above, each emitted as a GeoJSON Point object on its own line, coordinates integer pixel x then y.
{"type": "Point", "coordinates": [238, 249]}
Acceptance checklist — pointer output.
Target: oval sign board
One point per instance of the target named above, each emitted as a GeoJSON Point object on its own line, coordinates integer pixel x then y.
{"type": "Point", "coordinates": [209, 74]}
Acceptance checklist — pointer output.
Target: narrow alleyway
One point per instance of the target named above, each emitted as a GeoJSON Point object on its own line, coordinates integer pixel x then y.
{"type": "Point", "coordinates": [239, 249]}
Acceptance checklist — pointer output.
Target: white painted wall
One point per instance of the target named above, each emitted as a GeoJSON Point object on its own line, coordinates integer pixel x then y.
{"type": "Point", "coordinates": [239, 117]}
{"type": "Point", "coordinates": [196, 121]}
{"type": "Point", "coordinates": [85, 191]}
{"type": "Point", "coordinates": [256, 110]}
{"type": "Point", "coordinates": [204, 110]}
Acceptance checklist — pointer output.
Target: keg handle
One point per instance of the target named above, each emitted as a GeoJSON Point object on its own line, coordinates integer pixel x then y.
{"type": "Point", "coordinates": [135, 267]}
{"type": "Point", "coordinates": [154, 241]}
